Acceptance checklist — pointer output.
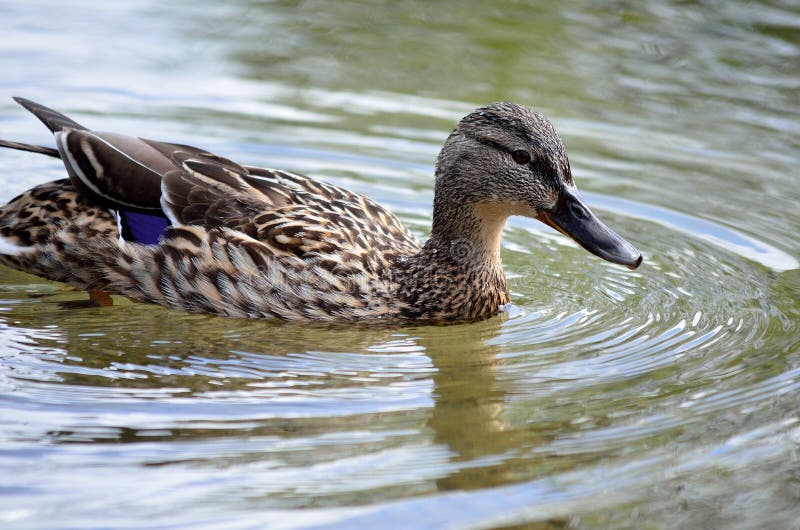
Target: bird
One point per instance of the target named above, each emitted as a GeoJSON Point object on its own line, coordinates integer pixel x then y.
{"type": "Point", "coordinates": [182, 227]}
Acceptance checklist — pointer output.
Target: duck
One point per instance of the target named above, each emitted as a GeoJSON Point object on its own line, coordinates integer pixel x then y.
{"type": "Point", "coordinates": [182, 227]}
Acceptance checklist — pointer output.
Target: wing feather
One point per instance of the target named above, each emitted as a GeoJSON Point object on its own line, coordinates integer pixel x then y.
{"type": "Point", "coordinates": [292, 215]}
{"type": "Point", "coordinates": [116, 170]}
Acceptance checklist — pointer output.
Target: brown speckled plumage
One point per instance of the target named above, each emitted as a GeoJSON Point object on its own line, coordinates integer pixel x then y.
{"type": "Point", "coordinates": [254, 242]}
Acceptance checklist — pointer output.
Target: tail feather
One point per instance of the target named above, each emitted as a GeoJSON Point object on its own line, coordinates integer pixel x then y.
{"type": "Point", "coordinates": [49, 151]}
{"type": "Point", "coordinates": [55, 121]}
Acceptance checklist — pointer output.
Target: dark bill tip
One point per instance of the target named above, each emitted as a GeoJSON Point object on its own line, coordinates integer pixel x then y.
{"type": "Point", "coordinates": [635, 265]}
{"type": "Point", "coordinates": [573, 218]}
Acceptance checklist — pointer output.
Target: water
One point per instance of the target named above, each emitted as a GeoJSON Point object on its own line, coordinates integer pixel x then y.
{"type": "Point", "coordinates": [664, 397]}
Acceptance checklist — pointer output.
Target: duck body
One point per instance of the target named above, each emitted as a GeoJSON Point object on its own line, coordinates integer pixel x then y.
{"type": "Point", "coordinates": [175, 225]}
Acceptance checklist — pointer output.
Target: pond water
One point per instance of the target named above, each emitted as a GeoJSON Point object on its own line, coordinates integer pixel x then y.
{"type": "Point", "coordinates": [664, 397]}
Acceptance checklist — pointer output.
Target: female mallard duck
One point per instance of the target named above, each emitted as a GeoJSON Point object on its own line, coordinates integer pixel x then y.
{"type": "Point", "coordinates": [184, 228]}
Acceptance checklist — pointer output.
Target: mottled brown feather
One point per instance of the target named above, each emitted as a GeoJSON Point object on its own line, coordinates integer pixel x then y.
{"type": "Point", "coordinates": [266, 243]}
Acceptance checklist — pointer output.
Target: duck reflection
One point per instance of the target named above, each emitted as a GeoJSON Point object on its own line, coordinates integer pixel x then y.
{"type": "Point", "coordinates": [441, 384]}
{"type": "Point", "coordinates": [470, 394]}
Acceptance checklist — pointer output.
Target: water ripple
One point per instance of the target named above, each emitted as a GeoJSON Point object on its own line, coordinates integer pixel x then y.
{"type": "Point", "coordinates": [603, 398]}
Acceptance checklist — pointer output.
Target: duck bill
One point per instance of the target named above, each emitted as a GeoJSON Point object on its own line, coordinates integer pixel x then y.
{"type": "Point", "coordinates": [573, 218]}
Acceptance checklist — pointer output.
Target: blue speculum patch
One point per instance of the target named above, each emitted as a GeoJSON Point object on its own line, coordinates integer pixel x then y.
{"type": "Point", "coordinates": [142, 227]}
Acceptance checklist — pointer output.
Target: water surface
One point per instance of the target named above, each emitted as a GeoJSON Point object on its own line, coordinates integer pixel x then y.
{"type": "Point", "coordinates": [664, 397]}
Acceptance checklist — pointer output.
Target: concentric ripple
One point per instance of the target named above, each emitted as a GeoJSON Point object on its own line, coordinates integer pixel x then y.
{"type": "Point", "coordinates": [665, 397]}
{"type": "Point", "coordinates": [593, 364]}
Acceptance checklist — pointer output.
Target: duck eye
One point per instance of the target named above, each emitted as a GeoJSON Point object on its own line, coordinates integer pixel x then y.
{"type": "Point", "coordinates": [521, 156]}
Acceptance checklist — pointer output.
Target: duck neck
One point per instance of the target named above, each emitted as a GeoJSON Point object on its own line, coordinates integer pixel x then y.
{"type": "Point", "coordinates": [470, 234]}
{"type": "Point", "coordinates": [457, 275]}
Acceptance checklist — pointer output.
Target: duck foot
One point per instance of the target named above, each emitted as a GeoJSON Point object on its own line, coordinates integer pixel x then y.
{"type": "Point", "coordinates": [96, 299]}
{"type": "Point", "coordinates": [100, 298]}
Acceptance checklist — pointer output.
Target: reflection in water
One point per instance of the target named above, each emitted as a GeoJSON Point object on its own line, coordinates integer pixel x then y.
{"type": "Point", "coordinates": [468, 414]}
{"type": "Point", "coordinates": [606, 398]}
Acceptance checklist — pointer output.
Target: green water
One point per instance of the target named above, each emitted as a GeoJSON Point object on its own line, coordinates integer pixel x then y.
{"type": "Point", "coordinates": [665, 397]}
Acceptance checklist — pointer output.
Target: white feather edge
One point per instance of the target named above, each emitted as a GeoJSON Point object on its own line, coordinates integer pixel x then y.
{"type": "Point", "coordinates": [7, 248]}
{"type": "Point", "coordinates": [167, 208]}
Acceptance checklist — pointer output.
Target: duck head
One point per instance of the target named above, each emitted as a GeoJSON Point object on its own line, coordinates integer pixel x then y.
{"type": "Point", "coordinates": [505, 159]}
